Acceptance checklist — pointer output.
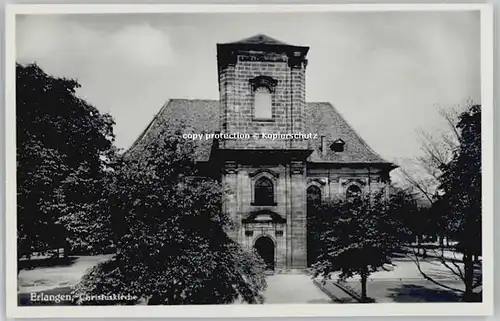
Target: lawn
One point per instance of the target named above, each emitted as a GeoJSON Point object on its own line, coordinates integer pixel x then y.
{"type": "Point", "coordinates": [63, 275]}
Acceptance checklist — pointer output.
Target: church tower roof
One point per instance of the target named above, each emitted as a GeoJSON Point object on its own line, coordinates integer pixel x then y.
{"type": "Point", "coordinates": [227, 52]}
{"type": "Point", "coordinates": [260, 39]}
{"type": "Point", "coordinates": [262, 42]}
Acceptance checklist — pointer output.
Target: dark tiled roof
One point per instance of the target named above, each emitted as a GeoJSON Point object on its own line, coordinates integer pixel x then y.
{"type": "Point", "coordinates": [259, 39]}
{"type": "Point", "coordinates": [322, 118]}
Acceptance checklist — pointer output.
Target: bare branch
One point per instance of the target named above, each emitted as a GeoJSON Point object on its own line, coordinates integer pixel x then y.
{"type": "Point", "coordinates": [434, 153]}
{"type": "Point", "coordinates": [417, 184]}
{"type": "Point", "coordinates": [443, 261]}
{"type": "Point", "coordinates": [417, 262]}
{"type": "Point", "coordinates": [451, 117]}
{"type": "Point", "coordinates": [459, 273]}
{"type": "Point", "coordinates": [462, 276]}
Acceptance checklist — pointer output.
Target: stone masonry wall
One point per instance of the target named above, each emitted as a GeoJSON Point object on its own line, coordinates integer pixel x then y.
{"type": "Point", "coordinates": [290, 197]}
{"type": "Point", "coordinates": [290, 186]}
{"type": "Point", "coordinates": [237, 97]}
{"type": "Point", "coordinates": [334, 182]}
{"type": "Point", "coordinates": [291, 177]}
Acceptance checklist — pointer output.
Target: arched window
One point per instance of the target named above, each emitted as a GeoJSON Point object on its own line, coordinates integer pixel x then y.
{"type": "Point", "coordinates": [353, 192]}
{"type": "Point", "coordinates": [264, 191]}
{"type": "Point", "coordinates": [263, 104]}
{"type": "Point", "coordinates": [315, 222]}
{"type": "Point", "coordinates": [313, 196]}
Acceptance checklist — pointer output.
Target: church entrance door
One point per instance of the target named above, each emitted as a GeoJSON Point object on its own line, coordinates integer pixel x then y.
{"type": "Point", "coordinates": [265, 248]}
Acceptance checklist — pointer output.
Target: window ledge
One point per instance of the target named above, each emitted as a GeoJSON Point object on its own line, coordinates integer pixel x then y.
{"type": "Point", "coordinates": [266, 204]}
{"type": "Point", "coordinates": [267, 120]}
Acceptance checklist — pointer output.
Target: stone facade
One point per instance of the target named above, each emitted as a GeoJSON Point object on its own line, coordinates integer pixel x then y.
{"type": "Point", "coordinates": [283, 162]}
{"type": "Point", "coordinates": [291, 181]}
{"type": "Point", "coordinates": [287, 228]}
{"type": "Point", "coordinates": [267, 181]}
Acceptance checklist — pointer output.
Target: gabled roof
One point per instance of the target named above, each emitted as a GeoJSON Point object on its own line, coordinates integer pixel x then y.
{"type": "Point", "coordinates": [259, 39]}
{"type": "Point", "coordinates": [320, 118]}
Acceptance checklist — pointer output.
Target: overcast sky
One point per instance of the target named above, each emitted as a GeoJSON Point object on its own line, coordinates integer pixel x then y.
{"type": "Point", "coordinates": [385, 72]}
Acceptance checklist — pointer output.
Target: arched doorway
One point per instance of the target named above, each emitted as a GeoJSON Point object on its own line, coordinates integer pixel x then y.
{"type": "Point", "coordinates": [265, 248]}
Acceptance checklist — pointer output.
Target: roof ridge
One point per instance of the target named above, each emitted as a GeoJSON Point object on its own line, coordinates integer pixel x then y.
{"type": "Point", "coordinates": [192, 99]}
{"type": "Point", "coordinates": [149, 126]}
{"type": "Point", "coordinates": [260, 38]}
{"type": "Point", "coordinates": [319, 102]}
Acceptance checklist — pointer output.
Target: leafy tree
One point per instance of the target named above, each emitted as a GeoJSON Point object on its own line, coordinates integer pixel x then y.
{"type": "Point", "coordinates": [60, 137]}
{"type": "Point", "coordinates": [361, 235]}
{"type": "Point", "coordinates": [170, 231]}
{"type": "Point", "coordinates": [461, 183]}
{"type": "Point", "coordinates": [461, 200]}
{"type": "Point", "coordinates": [421, 222]}
{"type": "Point", "coordinates": [405, 215]}
{"type": "Point", "coordinates": [84, 211]}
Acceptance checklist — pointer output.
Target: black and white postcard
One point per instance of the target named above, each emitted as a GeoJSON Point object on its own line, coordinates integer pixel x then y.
{"type": "Point", "coordinates": [228, 161]}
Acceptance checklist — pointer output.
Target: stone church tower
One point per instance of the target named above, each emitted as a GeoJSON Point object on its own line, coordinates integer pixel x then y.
{"type": "Point", "coordinates": [315, 154]}
{"type": "Point", "coordinates": [262, 90]}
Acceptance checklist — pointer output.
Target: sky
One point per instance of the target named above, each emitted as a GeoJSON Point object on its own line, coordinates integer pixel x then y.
{"type": "Point", "coordinates": [385, 72]}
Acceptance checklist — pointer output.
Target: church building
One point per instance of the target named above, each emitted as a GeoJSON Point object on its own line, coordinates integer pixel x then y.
{"type": "Point", "coordinates": [280, 152]}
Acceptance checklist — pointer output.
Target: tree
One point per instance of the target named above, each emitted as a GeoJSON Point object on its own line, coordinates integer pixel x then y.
{"type": "Point", "coordinates": [84, 211]}
{"type": "Point", "coordinates": [461, 182]}
{"type": "Point", "coordinates": [424, 173]}
{"type": "Point", "coordinates": [60, 137]}
{"type": "Point", "coordinates": [461, 185]}
{"type": "Point", "coordinates": [361, 235]}
{"type": "Point", "coordinates": [460, 201]}
{"type": "Point", "coordinates": [170, 231]}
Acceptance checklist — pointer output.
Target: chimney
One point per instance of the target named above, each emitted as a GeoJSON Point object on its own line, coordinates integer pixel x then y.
{"type": "Point", "coordinates": [322, 148]}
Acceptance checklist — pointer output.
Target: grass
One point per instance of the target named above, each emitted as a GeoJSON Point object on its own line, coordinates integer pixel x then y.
{"type": "Point", "coordinates": [50, 275]}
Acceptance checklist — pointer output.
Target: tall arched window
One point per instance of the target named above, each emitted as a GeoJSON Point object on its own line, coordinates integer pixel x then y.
{"type": "Point", "coordinates": [313, 196]}
{"type": "Point", "coordinates": [263, 103]}
{"type": "Point", "coordinates": [353, 192]}
{"type": "Point", "coordinates": [264, 191]}
{"type": "Point", "coordinates": [314, 225]}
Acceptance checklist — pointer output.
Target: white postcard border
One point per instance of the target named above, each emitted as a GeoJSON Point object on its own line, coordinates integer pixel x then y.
{"type": "Point", "coordinates": [274, 310]}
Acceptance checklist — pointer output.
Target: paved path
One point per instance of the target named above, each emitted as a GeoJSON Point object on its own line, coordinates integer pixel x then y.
{"type": "Point", "coordinates": [390, 291]}
{"type": "Point", "coordinates": [407, 270]}
{"type": "Point", "coordinates": [437, 253]}
{"type": "Point", "coordinates": [293, 288]}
